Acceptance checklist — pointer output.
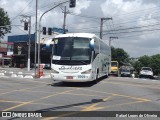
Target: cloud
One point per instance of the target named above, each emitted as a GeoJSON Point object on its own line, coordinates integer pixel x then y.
{"type": "Point", "coordinates": [13, 8]}
{"type": "Point", "coordinates": [140, 17]}
{"type": "Point", "coordinates": [81, 5]}
{"type": "Point", "coordinates": [134, 20]}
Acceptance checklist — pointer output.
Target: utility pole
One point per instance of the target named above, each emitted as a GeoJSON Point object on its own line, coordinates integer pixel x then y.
{"type": "Point", "coordinates": [29, 44]}
{"type": "Point", "coordinates": [111, 38]}
{"type": "Point", "coordinates": [101, 26]}
{"type": "Point", "coordinates": [29, 38]}
{"type": "Point", "coordinates": [35, 45]}
{"type": "Point", "coordinates": [64, 22]}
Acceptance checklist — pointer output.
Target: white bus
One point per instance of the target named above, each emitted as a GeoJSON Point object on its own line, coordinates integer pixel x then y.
{"type": "Point", "coordinates": [79, 57]}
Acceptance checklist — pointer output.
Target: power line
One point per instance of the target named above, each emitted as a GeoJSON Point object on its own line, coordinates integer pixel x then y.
{"type": "Point", "coordinates": [138, 11]}
{"type": "Point", "coordinates": [85, 16]}
{"type": "Point", "coordinates": [136, 35]}
{"type": "Point", "coordinates": [135, 27]}
{"type": "Point", "coordinates": [22, 10]}
{"type": "Point", "coordinates": [146, 30]}
{"type": "Point", "coordinates": [130, 28]}
{"type": "Point", "coordinates": [45, 7]}
{"type": "Point", "coordinates": [21, 29]}
{"type": "Point", "coordinates": [95, 18]}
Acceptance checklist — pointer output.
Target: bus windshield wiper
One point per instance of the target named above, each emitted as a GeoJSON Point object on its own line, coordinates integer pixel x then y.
{"type": "Point", "coordinates": [83, 62]}
{"type": "Point", "coordinates": [57, 62]}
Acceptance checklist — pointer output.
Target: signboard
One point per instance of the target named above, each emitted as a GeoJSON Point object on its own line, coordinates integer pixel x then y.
{"type": "Point", "coordinates": [59, 30]}
{"type": "Point", "coordinates": [9, 53]}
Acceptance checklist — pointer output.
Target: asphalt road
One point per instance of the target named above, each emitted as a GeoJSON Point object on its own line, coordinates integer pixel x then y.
{"type": "Point", "coordinates": [108, 95]}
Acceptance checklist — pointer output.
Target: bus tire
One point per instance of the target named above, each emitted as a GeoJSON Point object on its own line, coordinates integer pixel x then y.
{"type": "Point", "coordinates": [107, 73]}
{"type": "Point", "coordinates": [96, 79]}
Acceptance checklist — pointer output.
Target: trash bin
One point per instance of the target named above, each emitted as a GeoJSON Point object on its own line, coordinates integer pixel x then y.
{"type": "Point", "coordinates": [40, 70]}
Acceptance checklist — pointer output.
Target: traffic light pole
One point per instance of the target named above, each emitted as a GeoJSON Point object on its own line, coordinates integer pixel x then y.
{"type": "Point", "coordinates": [35, 44]}
{"type": "Point", "coordinates": [64, 22]}
{"type": "Point", "coordinates": [29, 44]}
{"type": "Point", "coordinates": [39, 34]}
{"type": "Point", "coordinates": [29, 39]}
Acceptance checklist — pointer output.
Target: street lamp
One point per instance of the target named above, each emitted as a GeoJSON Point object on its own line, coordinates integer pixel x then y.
{"type": "Point", "coordinates": [40, 32]}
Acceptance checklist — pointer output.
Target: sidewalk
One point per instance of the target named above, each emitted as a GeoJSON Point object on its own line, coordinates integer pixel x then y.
{"type": "Point", "coordinates": [22, 73]}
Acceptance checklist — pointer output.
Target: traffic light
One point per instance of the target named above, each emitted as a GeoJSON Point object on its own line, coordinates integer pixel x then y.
{"type": "Point", "coordinates": [72, 3]}
{"type": "Point", "coordinates": [49, 31]}
{"type": "Point", "coordinates": [25, 25]}
{"type": "Point", "coordinates": [44, 30]}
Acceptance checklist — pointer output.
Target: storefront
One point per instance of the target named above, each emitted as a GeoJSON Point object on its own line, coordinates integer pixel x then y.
{"type": "Point", "coordinates": [5, 61]}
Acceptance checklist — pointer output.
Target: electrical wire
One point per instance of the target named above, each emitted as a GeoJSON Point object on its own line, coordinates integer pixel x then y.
{"type": "Point", "coordinates": [136, 35]}
{"type": "Point", "coordinates": [97, 18]}
{"type": "Point", "coordinates": [135, 27]}
{"type": "Point", "coordinates": [21, 11]}
{"type": "Point", "coordinates": [146, 30]}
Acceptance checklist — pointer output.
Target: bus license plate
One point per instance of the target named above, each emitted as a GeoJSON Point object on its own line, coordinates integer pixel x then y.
{"type": "Point", "coordinates": [69, 77]}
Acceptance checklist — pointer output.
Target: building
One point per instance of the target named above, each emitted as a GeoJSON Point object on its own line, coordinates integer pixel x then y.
{"type": "Point", "coordinates": [6, 53]}
{"type": "Point", "coordinates": [20, 50]}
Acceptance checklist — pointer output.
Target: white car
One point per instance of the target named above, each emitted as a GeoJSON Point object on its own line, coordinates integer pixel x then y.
{"type": "Point", "coordinates": [146, 72]}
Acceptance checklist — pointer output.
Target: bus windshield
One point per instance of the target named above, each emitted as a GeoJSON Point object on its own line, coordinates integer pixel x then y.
{"type": "Point", "coordinates": [71, 51]}
{"type": "Point", "coordinates": [114, 64]}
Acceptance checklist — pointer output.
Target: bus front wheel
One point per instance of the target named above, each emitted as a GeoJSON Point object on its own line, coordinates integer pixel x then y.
{"type": "Point", "coordinates": [97, 74]}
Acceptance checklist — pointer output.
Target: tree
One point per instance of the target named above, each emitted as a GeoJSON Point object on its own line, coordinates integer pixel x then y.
{"type": "Point", "coordinates": [137, 66]}
{"type": "Point", "coordinates": [4, 23]}
{"type": "Point", "coordinates": [118, 54]}
{"type": "Point", "coordinates": [155, 64]}
{"type": "Point", "coordinates": [145, 61]}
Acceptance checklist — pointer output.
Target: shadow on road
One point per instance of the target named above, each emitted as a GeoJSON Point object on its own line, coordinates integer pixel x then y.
{"type": "Point", "coordinates": [77, 84]}
{"type": "Point", "coordinates": [71, 105]}
{"type": "Point", "coordinates": [58, 111]}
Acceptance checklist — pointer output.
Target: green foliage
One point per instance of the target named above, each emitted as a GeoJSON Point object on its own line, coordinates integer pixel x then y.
{"type": "Point", "coordinates": [145, 60]}
{"type": "Point", "coordinates": [4, 20]}
{"type": "Point", "coordinates": [118, 54]}
{"type": "Point", "coordinates": [155, 63]}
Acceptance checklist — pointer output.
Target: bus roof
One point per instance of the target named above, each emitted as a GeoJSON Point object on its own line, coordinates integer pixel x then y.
{"type": "Point", "coordinates": [88, 35]}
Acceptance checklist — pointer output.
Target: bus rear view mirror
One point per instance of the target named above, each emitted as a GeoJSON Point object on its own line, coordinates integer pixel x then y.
{"type": "Point", "coordinates": [91, 44]}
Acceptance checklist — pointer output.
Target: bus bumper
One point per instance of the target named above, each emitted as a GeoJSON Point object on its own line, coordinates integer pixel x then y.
{"type": "Point", "coordinates": [72, 77]}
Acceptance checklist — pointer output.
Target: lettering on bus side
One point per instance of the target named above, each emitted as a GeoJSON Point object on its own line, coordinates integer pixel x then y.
{"type": "Point", "coordinates": [70, 68]}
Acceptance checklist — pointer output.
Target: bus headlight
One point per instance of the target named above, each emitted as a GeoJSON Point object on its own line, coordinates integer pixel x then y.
{"type": "Point", "coordinates": [86, 72]}
{"type": "Point", "coordinates": [54, 71]}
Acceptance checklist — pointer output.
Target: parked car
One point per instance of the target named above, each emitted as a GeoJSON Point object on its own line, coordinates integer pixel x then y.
{"type": "Point", "coordinates": [146, 72]}
{"type": "Point", "coordinates": [125, 73]}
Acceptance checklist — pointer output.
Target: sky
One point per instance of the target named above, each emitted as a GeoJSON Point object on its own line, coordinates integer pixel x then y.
{"type": "Point", "coordinates": [136, 23]}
